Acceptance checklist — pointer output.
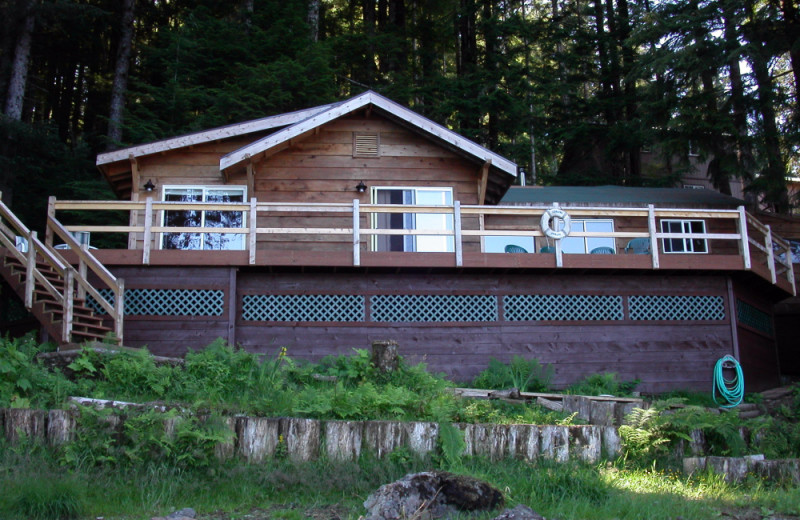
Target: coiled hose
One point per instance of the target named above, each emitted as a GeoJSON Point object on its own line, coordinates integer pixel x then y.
{"type": "Point", "coordinates": [731, 390]}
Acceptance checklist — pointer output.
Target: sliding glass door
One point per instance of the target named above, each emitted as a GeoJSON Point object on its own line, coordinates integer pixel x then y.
{"type": "Point", "coordinates": [419, 221]}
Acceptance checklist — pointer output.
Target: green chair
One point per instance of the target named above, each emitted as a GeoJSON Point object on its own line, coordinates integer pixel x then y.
{"type": "Point", "coordinates": [603, 250]}
{"type": "Point", "coordinates": [547, 249]}
{"type": "Point", "coordinates": [638, 246]}
{"type": "Point", "coordinates": [511, 248]}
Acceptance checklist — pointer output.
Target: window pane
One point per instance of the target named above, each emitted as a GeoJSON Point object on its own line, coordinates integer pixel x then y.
{"type": "Point", "coordinates": [599, 226]}
{"type": "Point", "coordinates": [229, 219]}
{"type": "Point", "coordinates": [497, 244]}
{"type": "Point", "coordinates": [182, 218]}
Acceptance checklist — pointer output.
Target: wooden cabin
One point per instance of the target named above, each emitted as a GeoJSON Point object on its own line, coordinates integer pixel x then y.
{"type": "Point", "coordinates": [325, 229]}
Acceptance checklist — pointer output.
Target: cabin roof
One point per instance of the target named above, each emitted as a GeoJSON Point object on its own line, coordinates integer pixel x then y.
{"type": "Point", "coordinates": [619, 196]}
{"type": "Point", "coordinates": [207, 136]}
{"type": "Point", "coordinates": [115, 165]}
{"type": "Point", "coordinates": [394, 110]}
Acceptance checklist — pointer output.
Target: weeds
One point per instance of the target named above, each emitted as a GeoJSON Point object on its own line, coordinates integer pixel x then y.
{"type": "Point", "coordinates": [526, 375]}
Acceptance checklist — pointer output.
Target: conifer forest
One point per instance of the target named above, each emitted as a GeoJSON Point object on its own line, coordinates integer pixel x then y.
{"type": "Point", "coordinates": [572, 90]}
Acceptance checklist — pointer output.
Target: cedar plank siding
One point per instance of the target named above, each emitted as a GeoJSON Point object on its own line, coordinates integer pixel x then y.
{"type": "Point", "coordinates": [321, 169]}
{"type": "Point", "coordinates": [664, 354]}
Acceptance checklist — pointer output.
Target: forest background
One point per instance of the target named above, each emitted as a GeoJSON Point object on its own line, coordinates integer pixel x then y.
{"type": "Point", "coordinates": [572, 90]}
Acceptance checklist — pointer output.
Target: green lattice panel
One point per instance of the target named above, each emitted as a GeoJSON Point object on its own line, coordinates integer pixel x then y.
{"type": "Point", "coordinates": [562, 307]}
{"type": "Point", "coordinates": [753, 317]}
{"type": "Point", "coordinates": [166, 302]}
{"type": "Point", "coordinates": [439, 308]}
{"type": "Point", "coordinates": [303, 307]}
{"type": "Point", "coordinates": [677, 308]}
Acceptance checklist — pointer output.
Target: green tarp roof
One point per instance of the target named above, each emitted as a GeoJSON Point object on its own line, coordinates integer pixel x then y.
{"type": "Point", "coordinates": [619, 196]}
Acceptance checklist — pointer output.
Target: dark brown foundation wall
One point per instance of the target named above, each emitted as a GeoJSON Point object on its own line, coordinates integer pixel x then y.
{"type": "Point", "coordinates": [452, 320]}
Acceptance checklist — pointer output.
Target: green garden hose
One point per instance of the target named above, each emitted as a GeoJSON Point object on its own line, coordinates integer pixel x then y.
{"type": "Point", "coordinates": [731, 390]}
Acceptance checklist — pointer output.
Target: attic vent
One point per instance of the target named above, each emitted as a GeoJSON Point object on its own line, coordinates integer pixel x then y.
{"type": "Point", "coordinates": [366, 145]}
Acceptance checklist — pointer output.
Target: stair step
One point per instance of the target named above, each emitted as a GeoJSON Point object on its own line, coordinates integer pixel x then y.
{"type": "Point", "coordinates": [89, 335]}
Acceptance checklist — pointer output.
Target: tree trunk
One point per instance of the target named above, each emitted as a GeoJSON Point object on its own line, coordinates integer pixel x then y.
{"type": "Point", "coordinates": [120, 85]}
{"type": "Point", "coordinates": [773, 182]}
{"type": "Point", "coordinates": [313, 19]}
{"type": "Point", "coordinates": [791, 27]}
{"type": "Point", "coordinates": [19, 69]}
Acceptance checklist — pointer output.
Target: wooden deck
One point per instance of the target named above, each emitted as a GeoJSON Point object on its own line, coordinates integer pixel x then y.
{"type": "Point", "coordinates": [332, 236]}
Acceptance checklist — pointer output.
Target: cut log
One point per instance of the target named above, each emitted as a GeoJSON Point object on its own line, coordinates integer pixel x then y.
{"type": "Point", "coordinates": [257, 437]}
{"type": "Point", "coordinates": [422, 437]}
{"type": "Point", "coordinates": [384, 356]}
{"type": "Point", "coordinates": [343, 439]}
{"type": "Point", "coordinates": [302, 437]}
{"type": "Point", "coordinates": [60, 427]}
{"type": "Point", "coordinates": [24, 423]}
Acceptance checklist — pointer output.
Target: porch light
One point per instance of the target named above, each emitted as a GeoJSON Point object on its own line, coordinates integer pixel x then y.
{"type": "Point", "coordinates": [149, 186]}
{"type": "Point", "coordinates": [361, 187]}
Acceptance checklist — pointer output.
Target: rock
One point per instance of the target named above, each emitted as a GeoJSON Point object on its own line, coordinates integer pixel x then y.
{"type": "Point", "coordinates": [187, 513]}
{"type": "Point", "coordinates": [431, 494]}
{"type": "Point", "coordinates": [521, 512]}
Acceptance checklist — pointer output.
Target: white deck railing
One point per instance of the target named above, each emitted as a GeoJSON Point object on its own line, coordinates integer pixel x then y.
{"type": "Point", "coordinates": [753, 238]}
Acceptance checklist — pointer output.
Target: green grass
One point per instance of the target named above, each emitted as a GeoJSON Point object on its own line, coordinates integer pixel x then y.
{"type": "Point", "coordinates": [293, 491]}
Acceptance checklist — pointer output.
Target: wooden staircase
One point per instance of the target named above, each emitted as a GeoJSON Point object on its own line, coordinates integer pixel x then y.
{"type": "Point", "coordinates": [86, 325]}
{"type": "Point", "coordinates": [55, 291]}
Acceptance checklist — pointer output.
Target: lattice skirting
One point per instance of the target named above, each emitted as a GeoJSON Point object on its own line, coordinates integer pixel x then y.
{"type": "Point", "coordinates": [440, 308]}
{"type": "Point", "coordinates": [166, 302]}
{"type": "Point", "coordinates": [753, 317]}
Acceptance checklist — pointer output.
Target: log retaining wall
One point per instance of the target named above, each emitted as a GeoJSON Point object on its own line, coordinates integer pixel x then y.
{"type": "Point", "coordinates": [256, 439]}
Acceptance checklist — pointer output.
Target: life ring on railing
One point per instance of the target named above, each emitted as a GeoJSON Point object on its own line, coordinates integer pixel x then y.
{"type": "Point", "coordinates": [553, 230]}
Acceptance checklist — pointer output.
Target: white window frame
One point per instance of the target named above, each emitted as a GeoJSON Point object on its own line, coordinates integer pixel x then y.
{"type": "Point", "coordinates": [205, 189]}
{"type": "Point", "coordinates": [411, 243]}
{"type": "Point", "coordinates": [586, 248]}
{"type": "Point", "coordinates": [687, 245]}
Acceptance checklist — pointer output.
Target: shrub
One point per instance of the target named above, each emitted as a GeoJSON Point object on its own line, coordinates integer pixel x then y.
{"type": "Point", "coordinates": [24, 381]}
{"type": "Point", "coordinates": [526, 375]}
{"type": "Point", "coordinates": [603, 384]}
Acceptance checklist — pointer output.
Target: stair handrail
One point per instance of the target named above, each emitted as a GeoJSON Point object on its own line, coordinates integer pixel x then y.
{"type": "Point", "coordinates": [32, 272]}
{"type": "Point", "coordinates": [87, 259]}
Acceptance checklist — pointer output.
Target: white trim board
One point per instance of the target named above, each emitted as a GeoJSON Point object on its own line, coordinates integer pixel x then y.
{"type": "Point", "coordinates": [369, 97]}
{"type": "Point", "coordinates": [223, 132]}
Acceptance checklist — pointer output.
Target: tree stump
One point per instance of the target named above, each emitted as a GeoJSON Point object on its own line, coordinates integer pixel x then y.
{"type": "Point", "coordinates": [384, 355]}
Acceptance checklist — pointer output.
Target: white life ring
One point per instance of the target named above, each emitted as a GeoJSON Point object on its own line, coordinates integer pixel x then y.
{"type": "Point", "coordinates": [552, 230]}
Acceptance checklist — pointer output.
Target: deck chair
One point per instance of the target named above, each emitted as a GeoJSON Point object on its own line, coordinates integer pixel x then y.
{"type": "Point", "coordinates": [547, 249]}
{"type": "Point", "coordinates": [638, 246]}
{"type": "Point", "coordinates": [512, 248]}
{"type": "Point", "coordinates": [603, 250]}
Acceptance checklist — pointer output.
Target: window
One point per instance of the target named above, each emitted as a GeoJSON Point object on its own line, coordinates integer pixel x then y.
{"type": "Point", "coordinates": [693, 187]}
{"type": "Point", "coordinates": [498, 243]}
{"type": "Point", "coordinates": [429, 221]}
{"type": "Point", "coordinates": [583, 245]}
{"type": "Point", "coordinates": [684, 245]}
{"type": "Point", "coordinates": [202, 218]}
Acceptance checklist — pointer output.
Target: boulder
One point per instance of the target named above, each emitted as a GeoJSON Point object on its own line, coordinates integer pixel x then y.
{"type": "Point", "coordinates": [431, 494]}
{"type": "Point", "coordinates": [521, 512]}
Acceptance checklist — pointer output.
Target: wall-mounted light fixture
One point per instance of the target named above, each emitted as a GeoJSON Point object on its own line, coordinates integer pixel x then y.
{"type": "Point", "coordinates": [361, 187]}
{"type": "Point", "coordinates": [149, 186]}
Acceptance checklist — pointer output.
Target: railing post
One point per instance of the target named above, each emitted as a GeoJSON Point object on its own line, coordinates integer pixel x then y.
{"type": "Point", "coordinates": [745, 241]}
{"type": "Point", "coordinates": [133, 217]}
{"type": "Point", "coordinates": [457, 233]}
{"type": "Point", "coordinates": [770, 254]}
{"type": "Point", "coordinates": [251, 234]}
{"type": "Point", "coordinates": [651, 227]}
{"type": "Point", "coordinates": [30, 268]}
{"type": "Point", "coordinates": [148, 230]}
{"type": "Point", "coordinates": [51, 214]}
{"type": "Point", "coordinates": [119, 309]}
{"type": "Point", "coordinates": [559, 253]}
{"type": "Point", "coordinates": [356, 233]}
{"type": "Point", "coordinates": [790, 265]}
{"type": "Point", "coordinates": [66, 325]}
{"type": "Point", "coordinates": [81, 290]}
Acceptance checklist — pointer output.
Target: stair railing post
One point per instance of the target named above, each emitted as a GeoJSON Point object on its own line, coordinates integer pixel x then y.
{"type": "Point", "coordinates": [30, 268]}
{"type": "Point", "coordinates": [119, 307]}
{"type": "Point", "coordinates": [66, 331]}
{"type": "Point", "coordinates": [51, 214]}
{"type": "Point", "coordinates": [81, 290]}
{"type": "Point", "coordinates": [148, 234]}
